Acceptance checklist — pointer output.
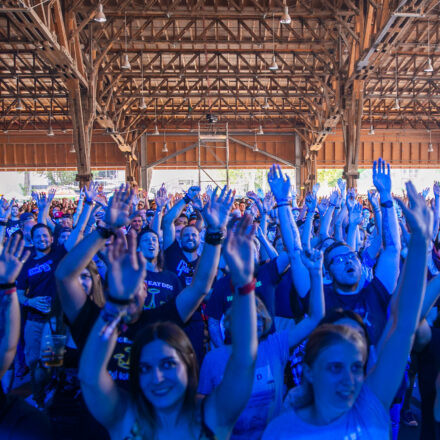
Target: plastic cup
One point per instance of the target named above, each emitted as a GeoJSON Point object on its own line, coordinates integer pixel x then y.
{"type": "Point", "coordinates": [53, 349]}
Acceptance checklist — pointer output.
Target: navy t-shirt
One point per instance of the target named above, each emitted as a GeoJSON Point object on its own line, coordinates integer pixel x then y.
{"type": "Point", "coordinates": [288, 303]}
{"type": "Point", "coordinates": [176, 261]}
{"type": "Point", "coordinates": [12, 226]}
{"type": "Point", "coordinates": [119, 364]}
{"type": "Point", "coordinates": [371, 303]}
{"type": "Point", "coordinates": [161, 288]}
{"type": "Point", "coordinates": [37, 277]}
{"type": "Point", "coordinates": [428, 368]}
{"type": "Point", "coordinates": [267, 280]}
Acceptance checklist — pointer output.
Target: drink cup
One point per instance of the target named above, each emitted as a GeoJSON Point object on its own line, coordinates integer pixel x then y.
{"type": "Point", "coordinates": [53, 349]}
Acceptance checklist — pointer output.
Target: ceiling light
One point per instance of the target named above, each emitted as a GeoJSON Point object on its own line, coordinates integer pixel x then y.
{"type": "Point", "coordinates": [72, 149]}
{"type": "Point", "coordinates": [260, 130]}
{"type": "Point", "coordinates": [142, 105]}
{"type": "Point", "coordinates": [19, 105]}
{"type": "Point", "coordinates": [274, 65]}
{"type": "Point", "coordinates": [285, 18]}
{"type": "Point", "coordinates": [156, 131]}
{"type": "Point", "coordinates": [126, 64]}
{"type": "Point", "coordinates": [429, 68]}
{"type": "Point", "coordinates": [430, 148]}
{"type": "Point", "coordinates": [371, 132]}
{"type": "Point", "coordinates": [255, 149]}
{"type": "Point", "coordinates": [396, 104]}
{"type": "Point", "coordinates": [5, 131]}
{"type": "Point", "coordinates": [266, 104]}
{"type": "Point", "coordinates": [50, 131]}
{"type": "Point", "coordinates": [100, 16]}
{"type": "Point", "coordinates": [164, 148]}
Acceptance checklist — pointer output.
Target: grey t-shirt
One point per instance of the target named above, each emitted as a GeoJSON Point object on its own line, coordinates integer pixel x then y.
{"type": "Point", "coordinates": [366, 420]}
{"type": "Point", "coordinates": [267, 391]}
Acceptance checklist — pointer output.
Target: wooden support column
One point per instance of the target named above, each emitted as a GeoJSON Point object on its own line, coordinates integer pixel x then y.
{"type": "Point", "coordinates": [351, 131]}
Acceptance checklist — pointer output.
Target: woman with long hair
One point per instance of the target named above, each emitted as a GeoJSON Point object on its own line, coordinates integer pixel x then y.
{"type": "Point", "coordinates": [162, 402]}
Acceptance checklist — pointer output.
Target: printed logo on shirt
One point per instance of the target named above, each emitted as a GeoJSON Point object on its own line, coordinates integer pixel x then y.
{"type": "Point", "coordinates": [45, 267]}
{"type": "Point", "coordinates": [183, 267]}
{"type": "Point", "coordinates": [123, 358]}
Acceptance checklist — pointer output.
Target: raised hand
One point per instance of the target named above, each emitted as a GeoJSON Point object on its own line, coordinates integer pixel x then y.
{"type": "Point", "coordinates": [209, 191]}
{"type": "Point", "coordinates": [5, 209]}
{"type": "Point", "coordinates": [12, 259]}
{"type": "Point", "coordinates": [351, 198]}
{"type": "Point", "coordinates": [51, 194]}
{"type": "Point", "coordinates": [355, 214]}
{"type": "Point", "coordinates": [425, 193]}
{"type": "Point", "coordinates": [216, 211]}
{"type": "Point", "coordinates": [373, 197]}
{"type": "Point", "coordinates": [197, 202]}
{"type": "Point", "coordinates": [418, 216]}
{"type": "Point", "coordinates": [251, 195]}
{"type": "Point", "coordinates": [126, 267]}
{"type": "Point", "coordinates": [193, 191]}
{"type": "Point", "coordinates": [91, 193]}
{"type": "Point", "coordinates": [382, 178]}
{"type": "Point", "coordinates": [323, 206]}
{"type": "Point", "coordinates": [315, 188]}
{"type": "Point", "coordinates": [268, 202]}
{"type": "Point", "coordinates": [293, 192]}
{"type": "Point", "coordinates": [312, 260]}
{"type": "Point", "coordinates": [311, 202]}
{"type": "Point", "coordinates": [335, 199]}
{"type": "Point", "coordinates": [279, 184]}
{"type": "Point", "coordinates": [342, 184]}
{"type": "Point", "coordinates": [238, 251]}
{"type": "Point", "coordinates": [436, 189]}
{"type": "Point", "coordinates": [118, 210]}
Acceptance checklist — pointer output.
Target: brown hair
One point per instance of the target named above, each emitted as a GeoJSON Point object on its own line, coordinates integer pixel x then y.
{"type": "Point", "coordinates": [174, 336]}
{"type": "Point", "coordinates": [322, 337]}
{"type": "Point", "coordinates": [97, 292]}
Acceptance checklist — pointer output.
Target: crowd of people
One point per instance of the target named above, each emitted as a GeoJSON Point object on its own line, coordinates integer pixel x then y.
{"type": "Point", "coordinates": [206, 316]}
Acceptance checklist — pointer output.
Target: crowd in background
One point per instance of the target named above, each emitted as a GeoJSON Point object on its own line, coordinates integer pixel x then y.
{"type": "Point", "coordinates": [206, 316]}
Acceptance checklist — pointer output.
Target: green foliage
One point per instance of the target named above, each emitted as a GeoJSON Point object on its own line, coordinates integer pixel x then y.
{"type": "Point", "coordinates": [330, 176]}
{"type": "Point", "coordinates": [60, 178]}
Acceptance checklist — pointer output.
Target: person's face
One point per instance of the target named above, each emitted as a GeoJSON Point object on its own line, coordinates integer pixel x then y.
{"type": "Point", "coordinates": [163, 376]}
{"type": "Point", "coordinates": [137, 223]}
{"type": "Point", "coordinates": [149, 219]}
{"type": "Point", "coordinates": [295, 214]}
{"type": "Point", "coordinates": [86, 281]}
{"type": "Point", "coordinates": [42, 239]}
{"type": "Point", "coordinates": [149, 245]}
{"type": "Point", "coordinates": [190, 239]}
{"type": "Point", "coordinates": [27, 227]}
{"type": "Point", "coordinates": [336, 376]}
{"type": "Point", "coordinates": [14, 211]}
{"type": "Point", "coordinates": [366, 214]}
{"type": "Point", "coordinates": [179, 224]}
{"type": "Point", "coordinates": [63, 237]}
{"type": "Point", "coordinates": [242, 207]}
{"type": "Point", "coordinates": [66, 222]}
{"type": "Point", "coordinates": [345, 267]}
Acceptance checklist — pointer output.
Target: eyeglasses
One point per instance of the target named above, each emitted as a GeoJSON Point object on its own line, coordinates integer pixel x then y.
{"type": "Point", "coordinates": [339, 259]}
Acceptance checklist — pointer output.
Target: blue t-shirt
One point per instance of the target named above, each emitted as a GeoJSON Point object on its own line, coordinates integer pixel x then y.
{"type": "Point", "coordinates": [288, 304]}
{"type": "Point", "coordinates": [161, 288]}
{"type": "Point", "coordinates": [267, 392]}
{"type": "Point", "coordinates": [366, 420]}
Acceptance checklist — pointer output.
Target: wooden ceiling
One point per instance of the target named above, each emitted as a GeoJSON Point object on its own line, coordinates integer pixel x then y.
{"type": "Point", "coordinates": [191, 58]}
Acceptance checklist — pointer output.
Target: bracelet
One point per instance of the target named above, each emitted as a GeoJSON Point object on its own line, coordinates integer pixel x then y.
{"type": "Point", "coordinates": [3, 223]}
{"type": "Point", "coordinates": [387, 204]}
{"type": "Point", "coordinates": [105, 232]}
{"type": "Point", "coordinates": [214, 238]}
{"type": "Point", "coordinates": [88, 202]}
{"type": "Point", "coordinates": [246, 289]}
{"type": "Point", "coordinates": [279, 205]}
{"type": "Point", "coordinates": [187, 199]}
{"type": "Point", "coordinates": [118, 301]}
{"type": "Point", "coordinates": [9, 291]}
{"type": "Point", "coordinates": [282, 200]}
{"type": "Point", "coordinates": [6, 286]}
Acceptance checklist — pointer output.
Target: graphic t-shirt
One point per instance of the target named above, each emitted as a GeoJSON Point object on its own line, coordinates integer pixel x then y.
{"type": "Point", "coordinates": [161, 288]}
{"type": "Point", "coordinates": [267, 392]}
{"type": "Point", "coordinates": [176, 261]}
{"type": "Point", "coordinates": [12, 226]}
{"type": "Point", "coordinates": [119, 364]}
{"type": "Point", "coordinates": [37, 278]}
{"type": "Point", "coordinates": [366, 420]}
{"type": "Point", "coordinates": [371, 303]}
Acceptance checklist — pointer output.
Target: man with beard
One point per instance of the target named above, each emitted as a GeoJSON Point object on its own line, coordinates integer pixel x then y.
{"type": "Point", "coordinates": [14, 221]}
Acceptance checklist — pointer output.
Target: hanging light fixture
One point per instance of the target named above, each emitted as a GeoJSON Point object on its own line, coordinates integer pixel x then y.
{"type": "Point", "coordinates": [72, 149]}
{"type": "Point", "coordinates": [396, 104]}
{"type": "Point", "coordinates": [285, 18]}
{"type": "Point", "coordinates": [255, 149]}
{"type": "Point", "coordinates": [266, 104]}
{"type": "Point", "coordinates": [260, 130]}
{"type": "Point", "coordinates": [274, 65]}
{"type": "Point", "coordinates": [430, 147]}
{"type": "Point", "coordinates": [164, 148]}
{"type": "Point", "coordinates": [142, 105]}
{"type": "Point", "coordinates": [126, 64]}
{"type": "Point", "coordinates": [429, 68]}
{"type": "Point", "coordinates": [156, 131]}
{"type": "Point", "coordinates": [371, 132]}
{"type": "Point", "coordinates": [50, 131]}
{"type": "Point", "coordinates": [19, 105]}
{"type": "Point", "coordinates": [100, 16]}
